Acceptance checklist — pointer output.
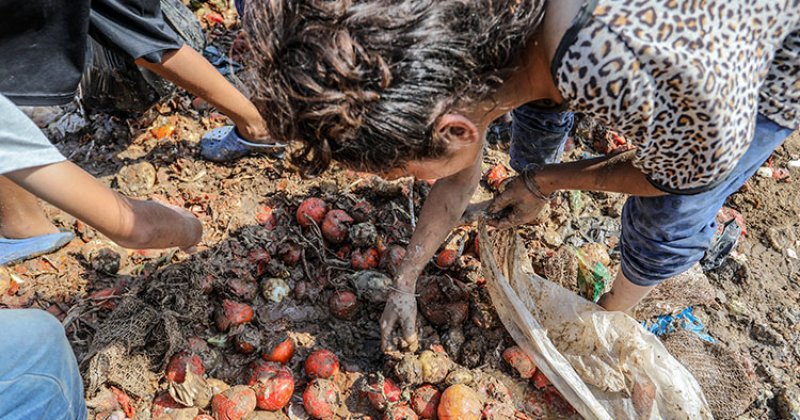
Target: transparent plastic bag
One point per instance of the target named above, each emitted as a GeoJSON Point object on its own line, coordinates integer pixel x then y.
{"type": "Point", "coordinates": [604, 363]}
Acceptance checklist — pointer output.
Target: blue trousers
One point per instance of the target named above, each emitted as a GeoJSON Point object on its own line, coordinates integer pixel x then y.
{"type": "Point", "coordinates": [39, 377]}
{"type": "Point", "coordinates": [661, 236]}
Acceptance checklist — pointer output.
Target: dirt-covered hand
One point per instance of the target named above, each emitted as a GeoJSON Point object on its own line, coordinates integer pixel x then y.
{"type": "Point", "coordinates": [400, 310]}
{"type": "Point", "coordinates": [515, 206]}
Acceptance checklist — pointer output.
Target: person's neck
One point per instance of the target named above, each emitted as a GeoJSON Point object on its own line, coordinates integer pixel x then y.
{"type": "Point", "coordinates": [531, 81]}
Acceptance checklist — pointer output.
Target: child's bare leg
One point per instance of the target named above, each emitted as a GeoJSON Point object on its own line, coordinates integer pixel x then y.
{"type": "Point", "coordinates": [190, 70]}
{"type": "Point", "coordinates": [624, 295]}
{"type": "Point", "coordinates": [20, 214]}
{"type": "Point", "coordinates": [130, 223]}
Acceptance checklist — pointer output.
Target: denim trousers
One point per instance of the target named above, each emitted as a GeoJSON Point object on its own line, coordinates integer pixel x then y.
{"type": "Point", "coordinates": [661, 236]}
{"type": "Point", "coordinates": [39, 377]}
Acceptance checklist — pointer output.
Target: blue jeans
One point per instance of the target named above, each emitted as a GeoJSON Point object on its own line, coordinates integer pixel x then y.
{"type": "Point", "coordinates": [39, 377]}
{"type": "Point", "coordinates": [661, 236]}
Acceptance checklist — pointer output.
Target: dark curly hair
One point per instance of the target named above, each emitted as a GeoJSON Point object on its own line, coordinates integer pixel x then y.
{"type": "Point", "coordinates": [363, 82]}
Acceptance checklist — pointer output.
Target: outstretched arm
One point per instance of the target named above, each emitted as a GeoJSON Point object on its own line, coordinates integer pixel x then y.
{"type": "Point", "coordinates": [128, 222]}
{"type": "Point", "coordinates": [441, 212]}
{"type": "Point", "coordinates": [188, 69]}
{"type": "Point", "coordinates": [613, 173]}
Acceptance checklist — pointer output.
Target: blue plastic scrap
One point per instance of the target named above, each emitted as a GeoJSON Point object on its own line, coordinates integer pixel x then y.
{"type": "Point", "coordinates": [220, 61]}
{"type": "Point", "coordinates": [665, 324]}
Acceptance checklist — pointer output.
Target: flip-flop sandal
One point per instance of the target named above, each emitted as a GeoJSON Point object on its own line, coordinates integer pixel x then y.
{"type": "Point", "coordinates": [224, 144]}
{"type": "Point", "coordinates": [14, 250]}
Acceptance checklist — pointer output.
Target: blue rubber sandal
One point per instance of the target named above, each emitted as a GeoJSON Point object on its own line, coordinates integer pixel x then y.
{"type": "Point", "coordinates": [14, 250]}
{"type": "Point", "coordinates": [224, 144]}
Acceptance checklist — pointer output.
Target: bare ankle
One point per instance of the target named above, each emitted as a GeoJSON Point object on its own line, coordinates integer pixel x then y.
{"type": "Point", "coordinates": [26, 229]}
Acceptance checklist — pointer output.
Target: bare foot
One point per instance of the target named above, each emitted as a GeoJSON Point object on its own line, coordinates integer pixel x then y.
{"type": "Point", "coordinates": [20, 214]}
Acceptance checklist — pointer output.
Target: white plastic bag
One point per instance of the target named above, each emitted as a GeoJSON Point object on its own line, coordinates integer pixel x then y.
{"type": "Point", "coordinates": [604, 363]}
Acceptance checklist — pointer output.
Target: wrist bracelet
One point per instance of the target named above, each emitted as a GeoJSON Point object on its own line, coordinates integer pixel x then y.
{"type": "Point", "coordinates": [530, 183]}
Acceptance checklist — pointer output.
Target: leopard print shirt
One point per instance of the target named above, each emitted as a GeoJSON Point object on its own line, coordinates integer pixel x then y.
{"type": "Point", "coordinates": [683, 80]}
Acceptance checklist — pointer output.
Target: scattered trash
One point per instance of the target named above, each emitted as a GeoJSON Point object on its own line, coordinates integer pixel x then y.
{"type": "Point", "coordinates": [794, 164]}
{"type": "Point", "coordinates": [726, 214]}
{"type": "Point", "coordinates": [764, 172]}
{"type": "Point", "coordinates": [781, 175]}
{"type": "Point", "coordinates": [686, 320]}
{"type": "Point", "coordinates": [722, 245]}
{"type": "Point", "coordinates": [570, 341]}
{"type": "Point", "coordinates": [576, 202]}
{"type": "Point", "coordinates": [220, 61]}
{"type": "Point", "coordinates": [593, 274]}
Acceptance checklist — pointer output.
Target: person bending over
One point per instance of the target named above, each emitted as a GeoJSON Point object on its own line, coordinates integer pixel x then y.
{"type": "Point", "coordinates": [706, 91]}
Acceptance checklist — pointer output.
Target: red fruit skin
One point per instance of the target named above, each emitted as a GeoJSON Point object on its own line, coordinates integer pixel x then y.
{"type": "Point", "coordinates": [390, 394]}
{"type": "Point", "coordinates": [266, 218]}
{"type": "Point", "coordinates": [447, 258]}
{"type": "Point", "coordinates": [362, 211]}
{"type": "Point", "coordinates": [124, 401]}
{"type": "Point", "coordinates": [336, 226]}
{"type": "Point", "coordinates": [162, 404]}
{"type": "Point", "coordinates": [425, 401]}
{"type": "Point", "coordinates": [520, 361]}
{"type": "Point", "coordinates": [176, 368]}
{"type": "Point", "coordinates": [248, 341]}
{"type": "Point", "coordinates": [344, 304]}
{"type": "Point", "coordinates": [400, 412]}
{"type": "Point", "coordinates": [459, 402]}
{"type": "Point", "coordinates": [476, 246]}
{"type": "Point", "coordinates": [365, 260]}
{"type": "Point", "coordinates": [273, 385]}
{"type": "Point", "coordinates": [344, 252]}
{"type": "Point", "coordinates": [539, 380]}
{"type": "Point", "coordinates": [234, 403]}
{"type": "Point", "coordinates": [311, 209]}
{"type": "Point", "coordinates": [392, 258]}
{"type": "Point", "coordinates": [496, 176]}
{"type": "Point", "coordinates": [321, 399]}
{"type": "Point", "coordinates": [321, 364]}
{"type": "Point", "coordinates": [203, 417]}
{"type": "Point", "coordinates": [233, 313]}
{"type": "Point", "coordinates": [280, 353]}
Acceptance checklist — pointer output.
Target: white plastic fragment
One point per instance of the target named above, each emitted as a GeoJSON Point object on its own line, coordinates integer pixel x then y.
{"type": "Point", "coordinates": [764, 172]}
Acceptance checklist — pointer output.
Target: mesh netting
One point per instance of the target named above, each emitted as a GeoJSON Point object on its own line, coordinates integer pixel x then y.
{"type": "Point", "coordinates": [676, 294]}
{"type": "Point", "coordinates": [728, 384]}
{"type": "Point", "coordinates": [128, 326]}
{"type": "Point", "coordinates": [114, 366]}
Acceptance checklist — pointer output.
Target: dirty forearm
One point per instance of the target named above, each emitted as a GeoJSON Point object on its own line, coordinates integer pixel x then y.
{"type": "Point", "coordinates": [441, 212]}
{"type": "Point", "coordinates": [614, 173]}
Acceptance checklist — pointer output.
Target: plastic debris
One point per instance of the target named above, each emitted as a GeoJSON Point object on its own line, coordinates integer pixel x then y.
{"type": "Point", "coordinates": [764, 172]}
{"type": "Point", "coordinates": [685, 319]}
{"type": "Point", "coordinates": [220, 61]}
{"type": "Point", "coordinates": [722, 245]}
{"type": "Point", "coordinates": [726, 214]}
{"type": "Point", "coordinates": [593, 274]}
{"type": "Point", "coordinates": [576, 202]}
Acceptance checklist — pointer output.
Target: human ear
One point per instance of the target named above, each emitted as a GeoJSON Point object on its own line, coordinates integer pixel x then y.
{"type": "Point", "coordinates": [457, 130]}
